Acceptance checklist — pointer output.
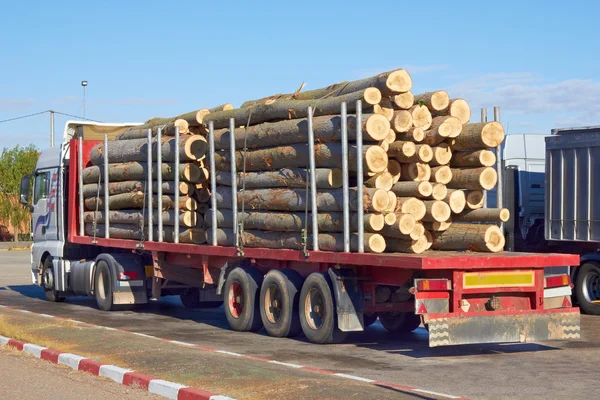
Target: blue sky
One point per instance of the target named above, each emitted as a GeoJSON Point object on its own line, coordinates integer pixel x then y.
{"type": "Point", "coordinates": [538, 60]}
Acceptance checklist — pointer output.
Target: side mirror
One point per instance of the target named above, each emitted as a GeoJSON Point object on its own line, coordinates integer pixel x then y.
{"type": "Point", "coordinates": [24, 190]}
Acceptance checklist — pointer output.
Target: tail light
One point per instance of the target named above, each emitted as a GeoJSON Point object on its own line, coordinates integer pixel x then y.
{"type": "Point", "coordinates": [128, 275]}
{"type": "Point", "coordinates": [556, 281]}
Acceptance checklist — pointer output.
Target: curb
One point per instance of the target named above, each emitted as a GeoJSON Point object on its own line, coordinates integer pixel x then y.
{"type": "Point", "coordinates": [123, 376]}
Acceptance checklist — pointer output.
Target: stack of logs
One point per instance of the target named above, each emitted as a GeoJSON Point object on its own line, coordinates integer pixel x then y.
{"type": "Point", "coordinates": [425, 171]}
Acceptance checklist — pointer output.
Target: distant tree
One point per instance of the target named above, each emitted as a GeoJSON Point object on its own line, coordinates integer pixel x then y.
{"type": "Point", "coordinates": [14, 164]}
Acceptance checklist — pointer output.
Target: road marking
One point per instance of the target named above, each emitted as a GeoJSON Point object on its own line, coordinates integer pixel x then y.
{"type": "Point", "coordinates": [144, 335]}
{"type": "Point", "coordinates": [285, 364]}
{"type": "Point", "coordinates": [26, 311]}
{"type": "Point", "coordinates": [182, 343]}
{"type": "Point", "coordinates": [167, 389]}
{"type": "Point", "coordinates": [436, 393]}
{"type": "Point", "coordinates": [228, 353]}
{"type": "Point", "coordinates": [46, 315]}
{"type": "Point", "coordinates": [113, 372]}
{"type": "Point", "coordinates": [356, 378]}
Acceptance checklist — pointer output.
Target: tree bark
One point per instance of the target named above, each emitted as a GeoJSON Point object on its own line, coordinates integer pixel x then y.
{"type": "Point", "coordinates": [327, 178]}
{"type": "Point", "coordinates": [458, 108]}
{"type": "Point", "coordinates": [326, 128]}
{"type": "Point", "coordinates": [479, 136]}
{"type": "Point", "coordinates": [167, 125]}
{"type": "Point", "coordinates": [421, 117]}
{"type": "Point", "coordinates": [407, 245]}
{"type": "Point", "coordinates": [293, 222]}
{"type": "Point", "coordinates": [423, 154]}
{"type": "Point", "coordinates": [327, 155]}
{"type": "Point", "coordinates": [420, 190]}
{"type": "Point", "coordinates": [442, 155]}
{"type": "Point", "coordinates": [395, 169]}
{"type": "Point", "coordinates": [441, 129]}
{"type": "Point", "coordinates": [291, 109]}
{"type": "Point", "coordinates": [136, 200]}
{"type": "Point", "coordinates": [474, 158]}
{"type": "Point", "coordinates": [441, 174]}
{"type": "Point", "coordinates": [417, 172]}
{"type": "Point", "coordinates": [434, 101]}
{"type": "Point", "coordinates": [471, 237]}
{"type": "Point", "coordinates": [484, 178]}
{"type": "Point", "coordinates": [402, 121]}
{"type": "Point", "coordinates": [438, 191]}
{"type": "Point", "coordinates": [457, 201]}
{"type": "Point", "coordinates": [436, 210]}
{"type": "Point", "coordinates": [437, 226]}
{"type": "Point", "coordinates": [133, 171]}
{"type": "Point", "coordinates": [168, 187]}
{"type": "Point", "coordinates": [475, 199]}
{"type": "Point", "coordinates": [382, 180]}
{"type": "Point", "coordinates": [191, 147]}
{"type": "Point", "coordinates": [188, 219]}
{"type": "Point", "coordinates": [132, 232]}
{"type": "Point", "coordinates": [374, 200]}
{"type": "Point", "coordinates": [403, 101]}
{"type": "Point", "coordinates": [412, 206]}
{"type": "Point", "coordinates": [491, 215]}
{"type": "Point", "coordinates": [374, 243]}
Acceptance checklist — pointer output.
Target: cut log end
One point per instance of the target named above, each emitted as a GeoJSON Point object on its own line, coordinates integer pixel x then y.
{"type": "Point", "coordinates": [379, 200]}
{"type": "Point", "coordinates": [406, 223]}
{"type": "Point", "coordinates": [384, 108]}
{"type": "Point", "coordinates": [391, 137]}
{"type": "Point", "coordinates": [437, 226]}
{"type": "Point", "coordinates": [488, 178]}
{"type": "Point", "coordinates": [376, 159]}
{"type": "Point", "coordinates": [196, 147]}
{"type": "Point", "coordinates": [417, 172]}
{"type": "Point", "coordinates": [439, 191]}
{"type": "Point", "coordinates": [424, 153]}
{"type": "Point", "coordinates": [374, 242]}
{"type": "Point", "coordinates": [335, 178]}
{"type": "Point", "coordinates": [372, 96]}
{"type": "Point", "coordinates": [457, 201]}
{"type": "Point", "coordinates": [403, 101]}
{"type": "Point", "coordinates": [494, 239]}
{"type": "Point", "coordinates": [421, 117]}
{"type": "Point", "coordinates": [395, 169]}
{"type": "Point", "coordinates": [493, 134]}
{"type": "Point", "coordinates": [442, 154]}
{"type": "Point", "coordinates": [412, 206]}
{"type": "Point", "coordinates": [402, 121]}
{"type": "Point", "coordinates": [390, 219]}
{"type": "Point", "coordinates": [437, 211]}
{"type": "Point", "coordinates": [392, 202]}
{"type": "Point", "coordinates": [475, 200]}
{"type": "Point", "coordinates": [376, 222]}
{"type": "Point", "coordinates": [377, 127]}
{"type": "Point", "coordinates": [441, 174]}
{"type": "Point", "coordinates": [460, 109]}
{"type": "Point", "coordinates": [399, 81]}
{"type": "Point", "coordinates": [407, 246]}
{"type": "Point", "coordinates": [383, 180]}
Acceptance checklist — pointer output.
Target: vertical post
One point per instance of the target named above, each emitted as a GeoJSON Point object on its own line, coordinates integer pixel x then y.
{"type": "Point", "coordinates": [80, 173]}
{"type": "Point", "coordinates": [233, 180]}
{"type": "Point", "coordinates": [345, 176]}
{"type": "Point", "coordinates": [176, 197]}
{"type": "Point", "coordinates": [150, 225]}
{"type": "Point", "coordinates": [213, 182]}
{"type": "Point", "coordinates": [159, 202]}
{"type": "Point", "coordinates": [313, 181]}
{"type": "Point", "coordinates": [484, 119]}
{"type": "Point", "coordinates": [106, 181]}
{"type": "Point", "coordinates": [359, 178]}
{"type": "Point", "coordinates": [51, 128]}
{"type": "Point", "coordinates": [499, 169]}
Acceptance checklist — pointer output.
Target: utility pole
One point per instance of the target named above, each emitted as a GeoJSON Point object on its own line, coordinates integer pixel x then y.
{"type": "Point", "coordinates": [51, 128]}
{"type": "Point", "coordinates": [84, 84]}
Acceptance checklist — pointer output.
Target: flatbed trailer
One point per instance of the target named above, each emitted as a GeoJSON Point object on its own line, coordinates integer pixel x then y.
{"type": "Point", "coordinates": [460, 297]}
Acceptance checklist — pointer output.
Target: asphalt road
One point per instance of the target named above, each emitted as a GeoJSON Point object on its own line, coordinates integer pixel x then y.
{"type": "Point", "coordinates": [551, 370]}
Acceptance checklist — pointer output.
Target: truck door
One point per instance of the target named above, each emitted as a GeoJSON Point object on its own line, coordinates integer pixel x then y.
{"type": "Point", "coordinates": [44, 206]}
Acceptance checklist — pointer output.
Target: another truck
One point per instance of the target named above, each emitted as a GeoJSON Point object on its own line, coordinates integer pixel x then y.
{"type": "Point", "coordinates": [460, 297]}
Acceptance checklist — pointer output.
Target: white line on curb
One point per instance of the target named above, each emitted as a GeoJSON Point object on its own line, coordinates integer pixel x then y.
{"type": "Point", "coordinates": [164, 388]}
{"type": "Point", "coordinates": [436, 393]}
{"type": "Point", "coordinates": [34, 350]}
{"type": "Point", "coordinates": [356, 378]}
{"type": "Point", "coordinates": [182, 343]}
{"type": "Point", "coordinates": [228, 353]}
{"type": "Point", "coordinates": [113, 372]}
{"type": "Point", "coordinates": [285, 364]}
{"type": "Point", "coordinates": [70, 360]}
{"type": "Point", "coordinates": [46, 315]}
{"type": "Point", "coordinates": [3, 340]}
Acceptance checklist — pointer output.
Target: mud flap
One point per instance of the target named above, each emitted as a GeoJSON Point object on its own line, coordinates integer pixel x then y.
{"type": "Point", "coordinates": [348, 300]}
{"type": "Point", "coordinates": [503, 328]}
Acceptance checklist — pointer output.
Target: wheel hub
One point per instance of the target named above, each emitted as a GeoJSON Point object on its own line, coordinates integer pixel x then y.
{"type": "Point", "coordinates": [272, 306]}
{"type": "Point", "coordinates": [48, 279]}
{"type": "Point", "coordinates": [313, 309]}
{"type": "Point", "coordinates": [236, 300]}
{"type": "Point", "coordinates": [591, 287]}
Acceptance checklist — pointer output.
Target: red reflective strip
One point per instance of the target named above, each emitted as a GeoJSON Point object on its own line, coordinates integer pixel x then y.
{"type": "Point", "coordinates": [432, 284]}
{"type": "Point", "coordinates": [556, 281]}
{"type": "Point", "coordinates": [50, 355]}
{"type": "Point", "coordinates": [431, 295]}
{"type": "Point", "coordinates": [127, 275]}
{"type": "Point", "coordinates": [137, 379]}
{"type": "Point", "coordinates": [17, 344]}
{"type": "Point", "coordinates": [91, 366]}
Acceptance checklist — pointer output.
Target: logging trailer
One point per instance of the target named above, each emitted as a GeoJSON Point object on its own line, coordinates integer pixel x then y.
{"type": "Point", "coordinates": [460, 297]}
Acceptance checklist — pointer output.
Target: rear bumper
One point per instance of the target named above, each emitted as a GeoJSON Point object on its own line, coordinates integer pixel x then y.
{"type": "Point", "coordinates": [446, 330]}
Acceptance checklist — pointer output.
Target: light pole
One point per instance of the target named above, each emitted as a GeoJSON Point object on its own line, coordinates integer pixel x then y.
{"type": "Point", "coordinates": [84, 84]}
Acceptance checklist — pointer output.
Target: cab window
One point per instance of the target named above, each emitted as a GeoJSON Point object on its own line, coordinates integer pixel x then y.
{"type": "Point", "coordinates": [42, 186]}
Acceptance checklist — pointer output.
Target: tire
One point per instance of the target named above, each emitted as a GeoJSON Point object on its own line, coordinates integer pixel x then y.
{"type": "Point", "coordinates": [241, 298]}
{"type": "Point", "coordinates": [279, 295]}
{"type": "Point", "coordinates": [317, 311]}
{"type": "Point", "coordinates": [103, 287]}
{"type": "Point", "coordinates": [403, 322]}
{"type": "Point", "coordinates": [50, 292]}
{"type": "Point", "coordinates": [587, 288]}
{"type": "Point", "coordinates": [191, 299]}
{"type": "Point", "coordinates": [369, 320]}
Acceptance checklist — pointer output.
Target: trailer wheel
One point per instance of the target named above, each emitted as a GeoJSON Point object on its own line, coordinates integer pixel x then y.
{"type": "Point", "coordinates": [103, 287]}
{"type": "Point", "coordinates": [402, 322]}
{"type": "Point", "coordinates": [50, 292]}
{"type": "Point", "coordinates": [191, 299]}
{"type": "Point", "coordinates": [317, 311]}
{"type": "Point", "coordinates": [279, 303]}
{"type": "Point", "coordinates": [369, 319]}
{"type": "Point", "coordinates": [587, 288]}
{"type": "Point", "coordinates": [241, 296]}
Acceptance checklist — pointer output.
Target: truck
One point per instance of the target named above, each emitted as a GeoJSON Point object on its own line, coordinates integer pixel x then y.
{"type": "Point", "coordinates": [459, 297]}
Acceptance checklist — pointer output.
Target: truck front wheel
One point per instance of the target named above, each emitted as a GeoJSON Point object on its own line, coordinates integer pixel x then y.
{"type": "Point", "coordinates": [50, 292]}
{"type": "Point", "coordinates": [103, 287]}
{"type": "Point", "coordinates": [242, 299]}
{"type": "Point", "coordinates": [587, 288]}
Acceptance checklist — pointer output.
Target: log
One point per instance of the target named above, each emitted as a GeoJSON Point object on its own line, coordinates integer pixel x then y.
{"type": "Point", "coordinates": [417, 172]}
{"type": "Point", "coordinates": [385, 108]}
{"type": "Point", "coordinates": [436, 211]}
{"type": "Point", "coordinates": [421, 117]}
{"type": "Point", "coordinates": [438, 191]}
{"type": "Point", "coordinates": [412, 206]}
{"type": "Point", "coordinates": [404, 225]}
{"type": "Point", "coordinates": [402, 149]}
{"type": "Point", "coordinates": [474, 158]}
{"type": "Point", "coordinates": [417, 232]}
{"type": "Point", "coordinates": [389, 218]}
{"type": "Point", "coordinates": [479, 136]}
{"type": "Point", "coordinates": [167, 125]}
{"type": "Point", "coordinates": [326, 129]}
{"type": "Point", "coordinates": [434, 101]}
{"type": "Point", "coordinates": [132, 232]}
{"type": "Point", "coordinates": [407, 245]}
{"type": "Point", "coordinates": [327, 155]}
{"type": "Point", "coordinates": [293, 222]}
{"type": "Point", "coordinates": [429, 237]}
{"type": "Point", "coordinates": [291, 109]}
{"type": "Point", "coordinates": [395, 169]}
{"type": "Point", "coordinates": [382, 180]}
{"type": "Point", "coordinates": [136, 200]}
{"type": "Point", "coordinates": [437, 226]}
{"type": "Point", "coordinates": [475, 199]}
{"type": "Point", "coordinates": [423, 154]}
{"type": "Point", "coordinates": [458, 108]}
{"type": "Point", "coordinates": [374, 242]}
{"type": "Point", "coordinates": [441, 174]}
{"type": "Point", "coordinates": [491, 215]}
{"type": "Point", "coordinates": [222, 107]}
{"type": "Point", "coordinates": [202, 194]}
{"type": "Point", "coordinates": [420, 190]}
{"type": "Point", "coordinates": [484, 178]}
{"type": "Point", "coordinates": [457, 201]}
{"type": "Point", "coordinates": [133, 171]}
{"type": "Point", "coordinates": [402, 121]}
{"type": "Point", "coordinates": [396, 81]}
{"type": "Point", "coordinates": [384, 145]}
{"type": "Point", "coordinates": [441, 129]}
{"type": "Point", "coordinates": [442, 155]}
{"type": "Point", "coordinates": [188, 219]}
{"type": "Point", "coordinates": [168, 187]}
{"type": "Point", "coordinates": [391, 137]}
{"type": "Point", "coordinates": [191, 147]}
{"type": "Point", "coordinates": [327, 178]}
{"type": "Point", "coordinates": [470, 237]}
{"type": "Point", "coordinates": [403, 101]}
{"type": "Point", "coordinates": [414, 134]}
{"type": "Point", "coordinates": [374, 200]}
{"type": "Point", "coordinates": [392, 202]}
